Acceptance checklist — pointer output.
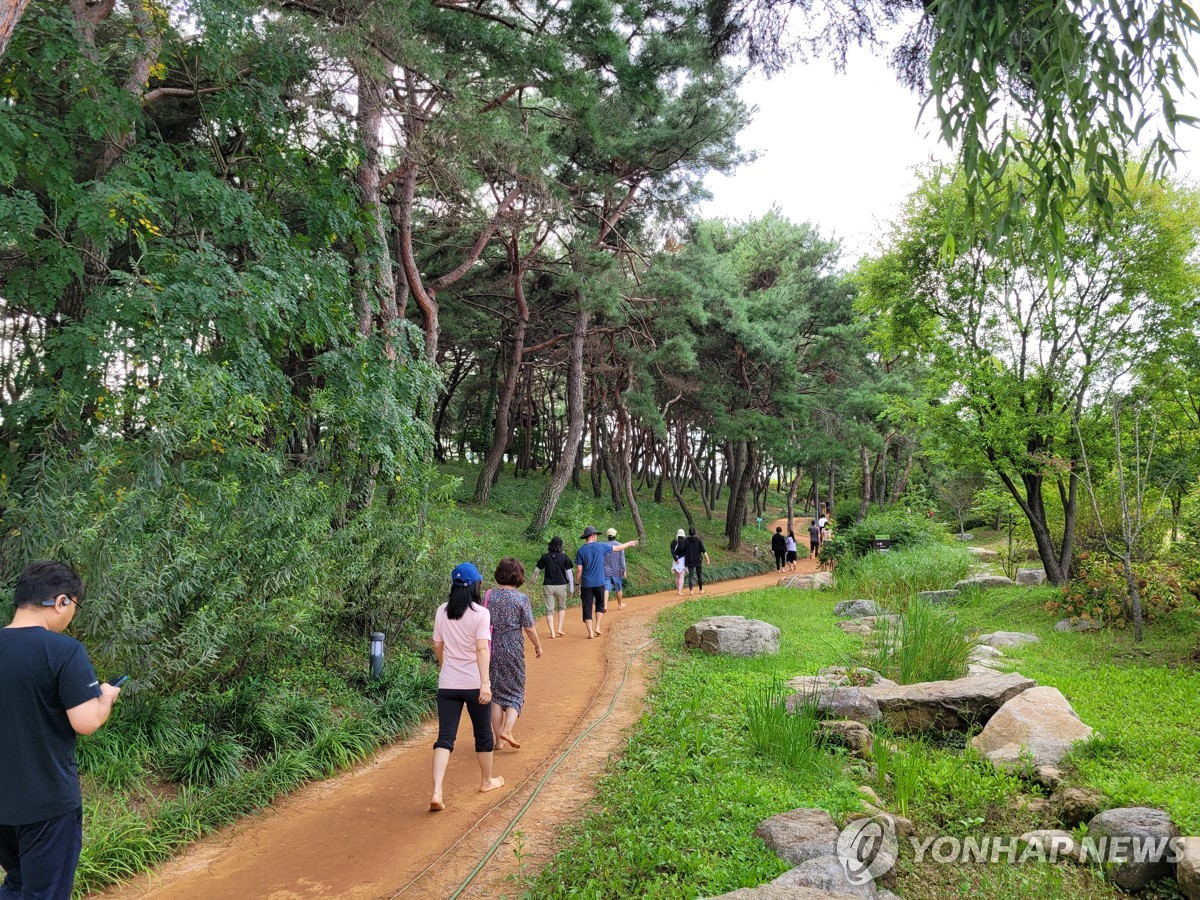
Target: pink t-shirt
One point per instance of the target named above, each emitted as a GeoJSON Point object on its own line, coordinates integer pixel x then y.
{"type": "Point", "coordinates": [460, 669]}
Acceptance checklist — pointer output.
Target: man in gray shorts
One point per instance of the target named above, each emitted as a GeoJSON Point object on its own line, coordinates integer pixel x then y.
{"type": "Point", "coordinates": [558, 582]}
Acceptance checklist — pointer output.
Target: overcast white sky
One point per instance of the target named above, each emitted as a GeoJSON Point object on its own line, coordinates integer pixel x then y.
{"type": "Point", "coordinates": [837, 150]}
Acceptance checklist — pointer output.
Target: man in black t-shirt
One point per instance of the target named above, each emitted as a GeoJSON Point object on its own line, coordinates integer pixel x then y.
{"type": "Point", "coordinates": [50, 694]}
{"type": "Point", "coordinates": [558, 582]}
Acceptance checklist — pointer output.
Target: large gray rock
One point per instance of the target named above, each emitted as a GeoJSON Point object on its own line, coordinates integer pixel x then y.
{"type": "Point", "coordinates": [783, 892]}
{"type": "Point", "coordinates": [977, 670]}
{"type": "Point", "coordinates": [733, 636]}
{"type": "Point", "coordinates": [854, 736]}
{"type": "Point", "coordinates": [937, 597]}
{"type": "Point", "coordinates": [799, 835]}
{"type": "Point", "coordinates": [1038, 722]}
{"type": "Point", "coordinates": [855, 703]}
{"type": "Point", "coordinates": [1187, 868]}
{"type": "Point", "coordinates": [956, 705]}
{"type": "Point", "coordinates": [1077, 624]}
{"type": "Point", "coordinates": [984, 653]}
{"type": "Point", "coordinates": [825, 873]}
{"type": "Point", "coordinates": [822, 579]}
{"type": "Point", "coordinates": [800, 582]}
{"type": "Point", "coordinates": [983, 582]}
{"type": "Point", "coordinates": [1148, 858]}
{"type": "Point", "coordinates": [1031, 577]}
{"type": "Point", "coordinates": [1000, 639]}
{"type": "Point", "coordinates": [983, 553]}
{"type": "Point", "coordinates": [852, 609]}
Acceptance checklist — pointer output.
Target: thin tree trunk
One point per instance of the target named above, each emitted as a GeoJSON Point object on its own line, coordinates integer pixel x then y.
{"type": "Point", "coordinates": [576, 413]}
{"type": "Point", "coordinates": [864, 456]}
{"type": "Point", "coordinates": [10, 14]}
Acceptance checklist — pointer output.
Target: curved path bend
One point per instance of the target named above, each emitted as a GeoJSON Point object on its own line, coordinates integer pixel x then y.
{"type": "Point", "coordinates": [368, 834]}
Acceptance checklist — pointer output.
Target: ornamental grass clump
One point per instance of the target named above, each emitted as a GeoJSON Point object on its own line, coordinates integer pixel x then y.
{"type": "Point", "coordinates": [924, 644]}
{"type": "Point", "coordinates": [788, 737]}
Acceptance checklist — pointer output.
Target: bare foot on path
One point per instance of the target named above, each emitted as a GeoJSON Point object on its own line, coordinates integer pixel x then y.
{"type": "Point", "coordinates": [436, 805]}
{"type": "Point", "coordinates": [508, 740]}
{"type": "Point", "coordinates": [599, 632]}
{"type": "Point", "coordinates": [304, 847]}
{"type": "Point", "coordinates": [494, 784]}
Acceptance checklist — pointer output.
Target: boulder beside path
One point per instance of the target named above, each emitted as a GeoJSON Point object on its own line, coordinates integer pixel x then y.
{"type": "Point", "coordinates": [733, 636]}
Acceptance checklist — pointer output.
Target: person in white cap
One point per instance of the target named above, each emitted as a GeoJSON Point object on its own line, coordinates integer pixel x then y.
{"type": "Point", "coordinates": [614, 570]}
{"type": "Point", "coordinates": [678, 562]}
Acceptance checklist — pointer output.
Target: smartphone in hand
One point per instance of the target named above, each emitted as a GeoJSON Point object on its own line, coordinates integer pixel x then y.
{"type": "Point", "coordinates": [118, 681]}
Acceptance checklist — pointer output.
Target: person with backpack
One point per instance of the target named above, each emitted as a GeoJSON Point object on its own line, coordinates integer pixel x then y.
{"type": "Point", "coordinates": [678, 564]}
{"type": "Point", "coordinates": [558, 583]}
{"type": "Point", "coordinates": [462, 631]}
{"type": "Point", "coordinates": [779, 548]}
{"type": "Point", "coordinates": [694, 556]}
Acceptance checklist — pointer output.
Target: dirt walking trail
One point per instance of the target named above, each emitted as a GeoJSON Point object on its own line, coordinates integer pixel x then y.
{"type": "Point", "coordinates": [368, 834]}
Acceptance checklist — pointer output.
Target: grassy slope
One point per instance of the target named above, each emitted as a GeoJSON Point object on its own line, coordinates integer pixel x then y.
{"type": "Point", "coordinates": [676, 814]}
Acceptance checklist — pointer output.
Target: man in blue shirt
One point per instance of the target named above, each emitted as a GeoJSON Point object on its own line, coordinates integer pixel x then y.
{"type": "Point", "coordinates": [589, 575]}
{"type": "Point", "coordinates": [50, 694]}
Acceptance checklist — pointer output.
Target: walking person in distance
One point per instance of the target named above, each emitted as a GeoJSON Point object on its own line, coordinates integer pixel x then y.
{"type": "Point", "coordinates": [49, 693]}
{"type": "Point", "coordinates": [512, 614]}
{"type": "Point", "coordinates": [461, 636]}
{"type": "Point", "coordinates": [790, 545]}
{"type": "Point", "coordinates": [779, 548]}
{"type": "Point", "coordinates": [589, 575]}
{"type": "Point", "coordinates": [558, 582]}
{"type": "Point", "coordinates": [695, 556]}
{"type": "Point", "coordinates": [678, 563]}
{"type": "Point", "coordinates": [614, 570]}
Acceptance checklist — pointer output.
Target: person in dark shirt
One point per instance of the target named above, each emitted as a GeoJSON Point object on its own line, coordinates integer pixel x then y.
{"type": "Point", "coordinates": [779, 548]}
{"type": "Point", "coordinates": [50, 695]}
{"type": "Point", "coordinates": [814, 537]}
{"type": "Point", "coordinates": [558, 583]}
{"type": "Point", "coordinates": [589, 575]}
{"type": "Point", "coordinates": [694, 553]}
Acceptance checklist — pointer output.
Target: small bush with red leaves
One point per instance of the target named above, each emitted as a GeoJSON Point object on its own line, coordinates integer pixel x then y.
{"type": "Point", "coordinates": [1099, 591]}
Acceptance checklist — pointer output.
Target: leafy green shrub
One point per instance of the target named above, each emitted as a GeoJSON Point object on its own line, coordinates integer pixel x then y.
{"type": "Point", "coordinates": [1100, 592]}
{"type": "Point", "coordinates": [904, 530]}
{"type": "Point", "coordinates": [924, 644]}
{"type": "Point", "coordinates": [204, 759]}
{"type": "Point", "coordinates": [895, 576]}
{"type": "Point", "coordinates": [111, 758]}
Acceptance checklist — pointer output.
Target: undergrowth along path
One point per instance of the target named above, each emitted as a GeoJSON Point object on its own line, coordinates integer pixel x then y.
{"type": "Point", "coordinates": [368, 834]}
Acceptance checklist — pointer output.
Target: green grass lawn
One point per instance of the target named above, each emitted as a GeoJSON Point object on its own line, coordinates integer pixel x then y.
{"type": "Point", "coordinates": [675, 816]}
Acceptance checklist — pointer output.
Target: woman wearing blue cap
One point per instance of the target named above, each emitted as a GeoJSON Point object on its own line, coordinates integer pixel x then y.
{"type": "Point", "coordinates": [461, 631]}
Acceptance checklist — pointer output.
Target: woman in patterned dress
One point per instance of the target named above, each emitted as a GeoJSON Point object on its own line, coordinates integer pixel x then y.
{"type": "Point", "coordinates": [511, 614]}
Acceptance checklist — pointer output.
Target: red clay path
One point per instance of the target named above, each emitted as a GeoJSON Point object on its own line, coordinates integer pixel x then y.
{"type": "Point", "coordinates": [368, 834]}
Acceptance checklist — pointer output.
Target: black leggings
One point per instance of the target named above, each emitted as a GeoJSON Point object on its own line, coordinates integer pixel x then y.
{"type": "Point", "coordinates": [450, 703]}
{"type": "Point", "coordinates": [699, 576]}
{"type": "Point", "coordinates": [780, 556]}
